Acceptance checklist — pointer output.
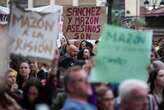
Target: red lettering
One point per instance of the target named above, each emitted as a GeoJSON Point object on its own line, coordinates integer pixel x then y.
{"type": "Point", "coordinates": [70, 13]}
{"type": "Point", "coordinates": [85, 11]}
{"type": "Point", "coordinates": [82, 36]}
{"type": "Point", "coordinates": [76, 36]}
{"type": "Point", "coordinates": [76, 20]}
{"type": "Point", "coordinates": [73, 28]}
{"type": "Point", "coordinates": [96, 20]}
{"type": "Point", "coordinates": [98, 28]}
{"type": "Point", "coordinates": [82, 28]}
{"type": "Point", "coordinates": [69, 20]}
{"type": "Point", "coordinates": [87, 20]}
{"type": "Point", "coordinates": [68, 28]}
{"type": "Point", "coordinates": [98, 9]}
{"type": "Point", "coordinates": [93, 11]}
{"type": "Point", "coordinates": [82, 20]}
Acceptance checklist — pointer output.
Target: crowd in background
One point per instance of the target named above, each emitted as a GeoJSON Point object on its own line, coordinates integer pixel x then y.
{"type": "Point", "coordinates": [64, 84]}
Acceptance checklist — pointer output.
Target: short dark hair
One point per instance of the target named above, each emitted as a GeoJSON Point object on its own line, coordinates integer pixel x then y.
{"type": "Point", "coordinates": [68, 79]}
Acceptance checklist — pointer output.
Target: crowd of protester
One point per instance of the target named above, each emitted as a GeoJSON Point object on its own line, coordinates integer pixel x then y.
{"type": "Point", "coordinates": [64, 85]}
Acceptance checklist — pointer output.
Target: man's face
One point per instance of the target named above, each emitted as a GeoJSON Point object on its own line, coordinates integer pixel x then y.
{"type": "Point", "coordinates": [81, 85]}
{"type": "Point", "coordinates": [34, 66]}
{"type": "Point", "coordinates": [137, 100]}
{"type": "Point", "coordinates": [73, 52]}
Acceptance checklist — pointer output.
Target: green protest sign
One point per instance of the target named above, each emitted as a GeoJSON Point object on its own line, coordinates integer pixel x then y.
{"type": "Point", "coordinates": [122, 54]}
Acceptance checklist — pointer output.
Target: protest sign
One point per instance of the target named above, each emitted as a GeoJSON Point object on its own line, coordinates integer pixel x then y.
{"type": "Point", "coordinates": [35, 33]}
{"type": "Point", "coordinates": [3, 19]}
{"type": "Point", "coordinates": [122, 54]}
{"type": "Point", "coordinates": [83, 22]}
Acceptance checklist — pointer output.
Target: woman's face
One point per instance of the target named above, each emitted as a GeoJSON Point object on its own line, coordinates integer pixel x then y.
{"type": "Point", "coordinates": [86, 54]}
{"type": "Point", "coordinates": [160, 78]}
{"type": "Point", "coordinates": [107, 101]}
{"type": "Point", "coordinates": [153, 57]}
{"type": "Point", "coordinates": [11, 79]}
{"type": "Point", "coordinates": [24, 69]}
{"type": "Point", "coordinates": [32, 94]}
{"type": "Point", "coordinates": [63, 41]}
{"type": "Point", "coordinates": [83, 45]}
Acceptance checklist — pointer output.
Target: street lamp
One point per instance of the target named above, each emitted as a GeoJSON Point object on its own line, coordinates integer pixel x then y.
{"type": "Point", "coordinates": [154, 4]}
{"type": "Point", "coordinates": [162, 3]}
{"type": "Point", "coordinates": [109, 18]}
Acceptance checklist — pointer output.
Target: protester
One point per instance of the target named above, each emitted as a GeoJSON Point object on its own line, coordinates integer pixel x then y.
{"type": "Point", "coordinates": [161, 48]}
{"type": "Point", "coordinates": [89, 46]}
{"type": "Point", "coordinates": [154, 54]}
{"type": "Point", "coordinates": [157, 64]}
{"type": "Point", "coordinates": [10, 77]}
{"type": "Point", "coordinates": [51, 88]}
{"type": "Point", "coordinates": [24, 74]}
{"type": "Point", "coordinates": [83, 44]}
{"type": "Point", "coordinates": [133, 95]}
{"type": "Point", "coordinates": [78, 89]}
{"type": "Point", "coordinates": [32, 94]}
{"type": "Point", "coordinates": [54, 85]}
{"type": "Point", "coordinates": [70, 59]}
{"type": "Point", "coordinates": [6, 101]}
{"type": "Point", "coordinates": [41, 73]}
{"type": "Point", "coordinates": [84, 54]}
{"type": "Point", "coordinates": [95, 47]}
{"type": "Point", "coordinates": [63, 46]}
{"type": "Point", "coordinates": [105, 99]}
{"type": "Point", "coordinates": [12, 87]}
{"type": "Point", "coordinates": [156, 81]}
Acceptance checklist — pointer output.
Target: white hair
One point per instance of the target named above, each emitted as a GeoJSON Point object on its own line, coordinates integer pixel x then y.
{"type": "Point", "coordinates": [127, 86]}
{"type": "Point", "coordinates": [159, 64]}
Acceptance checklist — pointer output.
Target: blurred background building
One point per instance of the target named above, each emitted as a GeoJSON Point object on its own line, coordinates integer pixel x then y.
{"type": "Point", "coordinates": [152, 11]}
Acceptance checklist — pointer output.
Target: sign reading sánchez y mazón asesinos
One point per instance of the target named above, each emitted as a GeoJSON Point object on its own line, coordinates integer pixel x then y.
{"type": "Point", "coordinates": [83, 22]}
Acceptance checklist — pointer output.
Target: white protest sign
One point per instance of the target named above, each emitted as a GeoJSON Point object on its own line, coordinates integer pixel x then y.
{"type": "Point", "coordinates": [35, 33]}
